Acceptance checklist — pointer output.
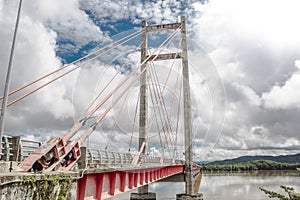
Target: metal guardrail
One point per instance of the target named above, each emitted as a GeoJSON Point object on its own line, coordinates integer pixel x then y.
{"type": "Point", "coordinates": [7, 151]}
{"type": "Point", "coordinates": [96, 157]}
{"type": "Point", "coordinates": [15, 148]}
{"type": "Point", "coordinates": [147, 159]}
{"type": "Point", "coordinates": [27, 146]}
{"type": "Point", "coordinates": [101, 158]}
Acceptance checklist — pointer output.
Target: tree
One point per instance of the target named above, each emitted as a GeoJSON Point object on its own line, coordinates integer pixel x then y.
{"type": "Point", "coordinates": [289, 190]}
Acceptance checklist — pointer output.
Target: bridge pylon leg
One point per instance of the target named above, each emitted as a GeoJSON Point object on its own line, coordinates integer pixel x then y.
{"type": "Point", "coordinates": [190, 192]}
{"type": "Point", "coordinates": [143, 192]}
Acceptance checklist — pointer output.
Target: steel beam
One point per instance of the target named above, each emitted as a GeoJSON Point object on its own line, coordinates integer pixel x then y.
{"type": "Point", "coordinates": [168, 56]}
{"type": "Point", "coordinates": [163, 27]}
{"type": "Point", "coordinates": [106, 184]}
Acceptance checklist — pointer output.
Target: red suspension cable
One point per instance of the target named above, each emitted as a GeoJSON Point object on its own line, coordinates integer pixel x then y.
{"type": "Point", "coordinates": [134, 120]}
{"type": "Point", "coordinates": [51, 81]}
{"type": "Point", "coordinates": [66, 66]}
{"type": "Point", "coordinates": [89, 131]}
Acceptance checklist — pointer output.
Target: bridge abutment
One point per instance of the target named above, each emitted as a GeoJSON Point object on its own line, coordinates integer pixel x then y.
{"type": "Point", "coordinates": [28, 186]}
{"type": "Point", "coordinates": [146, 196]}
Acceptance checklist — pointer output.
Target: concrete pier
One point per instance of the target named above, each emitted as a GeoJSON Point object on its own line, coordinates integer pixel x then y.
{"type": "Point", "coordinates": [146, 196]}
{"type": "Point", "coordinates": [198, 196]}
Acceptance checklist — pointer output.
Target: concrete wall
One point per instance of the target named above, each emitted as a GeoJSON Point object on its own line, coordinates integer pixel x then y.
{"type": "Point", "coordinates": [27, 186]}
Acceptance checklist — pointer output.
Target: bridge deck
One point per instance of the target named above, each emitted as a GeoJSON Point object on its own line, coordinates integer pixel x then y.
{"type": "Point", "coordinates": [99, 174]}
{"type": "Point", "coordinates": [107, 183]}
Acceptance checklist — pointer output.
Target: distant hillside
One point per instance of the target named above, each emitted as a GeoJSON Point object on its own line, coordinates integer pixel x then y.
{"type": "Point", "coordinates": [295, 158]}
{"type": "Point", "coordinates": [252, 165]}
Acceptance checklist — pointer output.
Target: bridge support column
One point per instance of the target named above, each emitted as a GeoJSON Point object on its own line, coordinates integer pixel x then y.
{"type": "Point", "coordinates": [146, 196]}
{"type": "Point", "coordinates": [190, 192]}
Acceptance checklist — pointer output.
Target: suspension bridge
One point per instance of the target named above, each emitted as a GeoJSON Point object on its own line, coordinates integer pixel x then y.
{"type": "Point", "coordinates": [100, 173]}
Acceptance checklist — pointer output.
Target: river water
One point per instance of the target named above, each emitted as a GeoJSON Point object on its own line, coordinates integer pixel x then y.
{"type": "Point", "coordinates": [233, 186]}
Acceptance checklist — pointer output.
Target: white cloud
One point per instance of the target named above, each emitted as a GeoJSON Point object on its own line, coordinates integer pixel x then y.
{"type": "Point", "coordinates": [34, 56]}
{"type": "Point", "coordinates": [264, 21]}
{"type": "Point", "coordinates": [154, 12]}
{"type": "Point", "coordinates": [1, 7]}
{"type": "Point", "coordinates": [286, 96]}
{"type": "Point", "coordinates": [251, 97]}
{"type": "Point", "coordinates": [253, 44]}
{"type": "Point", "coordinates": [252, 48]}
{"type": "Point", "coordinates": [66, 18]}
{"type": "Point", "coordinates": [297, 64]}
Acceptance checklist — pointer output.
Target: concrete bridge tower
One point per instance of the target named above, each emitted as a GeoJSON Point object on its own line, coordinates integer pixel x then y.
{"type": "Point", "coordinates": [190, 192]}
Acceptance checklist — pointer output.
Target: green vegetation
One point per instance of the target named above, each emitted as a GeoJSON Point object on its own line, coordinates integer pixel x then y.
{"type": "Point", "coordinates": [293, 158]}
{"type": "Point", "coordinates": [49, 187]}
{"type": "Point", "coordinates": [291, 195]}
{"type": "Point", "coordinates": [252, 165]}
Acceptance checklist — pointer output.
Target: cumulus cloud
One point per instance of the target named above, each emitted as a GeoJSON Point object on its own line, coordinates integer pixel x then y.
{"type": "Point", "coordinates": [286, 96]}
{"type": "Point", "coordinates": [72, 25]}
{"type": "Point", "coordinates": [249, 49]}
{"type": "Point", "coordinates": [249, 43]}
{"type": "Point", "coordinates": [117, 10]}
{"type": "Point", "coordinates": [34, 56]}
{"type": "Point", "coordinates": [254, 54]}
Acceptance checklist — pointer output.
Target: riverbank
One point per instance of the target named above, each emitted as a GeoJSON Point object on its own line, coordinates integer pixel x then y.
{"type": "Point", "coordinates": [255, 173]}
{"type": "Point", "coordinates": [254, 165]}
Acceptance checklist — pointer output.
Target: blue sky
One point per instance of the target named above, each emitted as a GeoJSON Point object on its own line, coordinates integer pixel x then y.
{"type": "Point", "coordinates": [113, 25]}
{"type": "Point", "coordinates": [244, 58]}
